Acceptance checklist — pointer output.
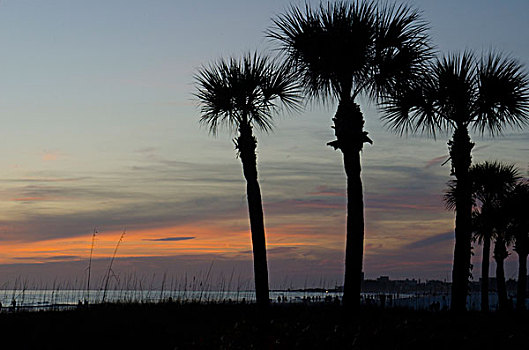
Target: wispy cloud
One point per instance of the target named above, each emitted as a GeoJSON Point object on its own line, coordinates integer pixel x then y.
{"type": "Point", "coordinates": [429, 241]}
{"type": "Point", "coordinates": [327, 191]}
{"type": "Point", "coordinates": [30, 199]}
{"type": "Point", "coordinates": [436, 161]}
{"type": "Point", "coordinates": [49, 258]}
{"type": "Point", "coordinates": [169, 239]}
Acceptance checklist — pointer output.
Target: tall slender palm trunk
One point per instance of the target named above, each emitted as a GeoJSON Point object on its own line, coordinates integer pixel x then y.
{"type": "Point", "coordinates": [522, 281]}
{"type": "Point", "coordinates": [350, 137]}
{"type": "Point", "coordinates": [485, 265]}
{"type": "Point", "coordinates": [500, 254]}
{"type": "Point", "coordinates": [246, 144]}
{"type": "Point", "coordinates": [460, 153]}
{"type": "Point", "coordinates": [354, 249]}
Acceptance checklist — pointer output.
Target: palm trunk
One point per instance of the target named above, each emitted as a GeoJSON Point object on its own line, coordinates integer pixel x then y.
{"type": "Point", "coordinates": [460, 153]}
{"type": "Point", "coordinates": [500, 254]}
{"type": "Point", "coordinates": [246, 143]}
{"type": "Point", "coordinates": [354, 249]}
{"type": "Point", "coordinates": [522, 281]}
{"type": "Point", "coordinates": [350, 137]}
{"type": "Point", "coordinates": [485, 263]}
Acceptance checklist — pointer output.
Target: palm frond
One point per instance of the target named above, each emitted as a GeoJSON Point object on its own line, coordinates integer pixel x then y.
{"type": "Point", "coordinates": [515, 205]}
{"type": "Point", "coordinates": [402, 49]}
{"type": "Point", "coordinates": [440, 100]}
{"type": "Point", "coordinates": [215, 96]}
{"type": "Point", "coordinates": [456, 87]}
{"type": "Point", "coordinates": [479, 227]}
{"type": "Point", "coordinates": [450, 195]}
{"type": "Point", "coordinates": [493, 181]}
{"type": "Point", "coordinates": [490, 183]}
{"type": "Point", "coordinates": [246, 90]}
{"type": "Point", "coordinates": [331, 45]}
{"type": "Point", "coordinates": [343, 49]}
{"type": "Point", "coordinates": [503, 94]}
{"type": "Point", "coordinates": [413, 109]}
{"type": "Point", "coordinates": [299, 33]}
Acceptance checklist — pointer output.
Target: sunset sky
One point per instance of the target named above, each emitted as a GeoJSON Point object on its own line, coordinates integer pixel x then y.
{"type": "Point", "coordinates": [100, 131]}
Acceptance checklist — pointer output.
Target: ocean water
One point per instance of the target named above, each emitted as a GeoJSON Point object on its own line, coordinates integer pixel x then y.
{"type": "Point", "coordinates": [42, 299]}
{"type": "Point", "coordinates": [60, 299]}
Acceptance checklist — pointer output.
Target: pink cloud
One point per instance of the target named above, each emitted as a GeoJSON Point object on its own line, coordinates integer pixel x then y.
{"type": "Point", "coordinates": [435, 161]}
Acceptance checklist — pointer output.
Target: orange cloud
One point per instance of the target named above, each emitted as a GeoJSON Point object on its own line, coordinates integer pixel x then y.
{"type": "Point", "coordinates": [49, 156]}
{"type": "Point", "coordinates": [221, 238]}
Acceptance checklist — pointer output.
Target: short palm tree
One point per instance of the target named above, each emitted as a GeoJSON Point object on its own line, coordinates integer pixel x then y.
{"type": "Point", "coordinates": [483, 234]}
{"type": "Point", "coordinates": [462, 92]}
{"type": "Point", "coordinates": [491, 184]}
{"type": "Point", "coordinates": [500, 253]}
{"type": "Point", "coordinates": [245, 94]}
{"type": "Point", "coordinates": [340, 51]}
{"type": "Point", "coordinates": [518, 228]}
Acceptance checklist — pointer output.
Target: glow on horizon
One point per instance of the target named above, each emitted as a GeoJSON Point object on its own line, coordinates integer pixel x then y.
{"type": "Point", "coordinates": [100, 130]}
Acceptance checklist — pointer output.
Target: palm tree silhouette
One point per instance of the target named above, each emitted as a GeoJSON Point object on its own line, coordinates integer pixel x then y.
{"type": "Point", "coordinates": [462, 92]}
{"type": "Point", "coordinates": [342, 50]}
{"type": "Point", "coordinates": [243, 94]}
{"type": "Point", "coordinates": [491, 183]}
{"type": "Point", "coordinates": [483, 234]}
{"type": "Point", "coordinates": [518, 228]}
{"type": "Point", "coordinates": [501, 253]}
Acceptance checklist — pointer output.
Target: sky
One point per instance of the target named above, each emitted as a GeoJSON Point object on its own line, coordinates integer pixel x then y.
{"type": "Point", "coordinates": [100, 132]}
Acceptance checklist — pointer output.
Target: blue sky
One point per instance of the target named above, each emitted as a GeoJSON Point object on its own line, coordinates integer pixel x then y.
{"type": "Point", "coordinates": [100, 129]}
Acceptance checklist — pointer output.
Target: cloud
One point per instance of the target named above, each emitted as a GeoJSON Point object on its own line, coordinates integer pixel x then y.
{"type": "Point", "coordinates": [274, 250]}
{"type": "Point", "coordinates": [50, 258]}
{"type": "Point", "coordinates": [327, 191]}
{"type": "Point", "coordinates": [45, 179]}
{"type": "Point", "coordinates": [30, 199]}
{"type": "Point", "coordinates": [429, 241]}
{"type": "Point", "coordinates": [129, 211]}
{"type": "Point", "coordinates": [169, 239]}
{"type": "Point", "coordinates": [50, 156]}
{"type": "Point", "coordinates": [436, 160]}
{"type": "Point", "coordinates": [445, 158]}
{"type": "Point", "coordinates": [304, 205]}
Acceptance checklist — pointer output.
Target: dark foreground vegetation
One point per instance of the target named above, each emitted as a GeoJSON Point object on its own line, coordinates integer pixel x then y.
{"type": "Point", "coordinates": [242, 326]}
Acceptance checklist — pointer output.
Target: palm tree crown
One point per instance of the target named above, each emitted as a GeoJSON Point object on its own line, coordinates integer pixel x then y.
{"type": "Point", "coordinates": [344, 49]}
{"type": "Point", "coordinates": [461, 91]}
{"type": "Point", "coordinates": [245, 91]}
{"type": "Point", "coordinates": [516, 207]}
{"type": "Point", "coordinates": [491, 183]}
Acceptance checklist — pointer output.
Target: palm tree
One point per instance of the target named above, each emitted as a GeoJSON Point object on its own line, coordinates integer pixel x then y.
{"type": "Point", "coordinates": [342, 50]}
{"type": "Point", "coordinates": [462, 92]}
{"type": "Point", "coordinates": [500, 254]}
{"type": "Point", "coordinates": [483, 234]}
{"type": "Point", "coordinates": [244, 94]}
{"type": "Point", "coordinates": [491, 182]}
{"type": "Point", "coordinates": [518, 228]}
